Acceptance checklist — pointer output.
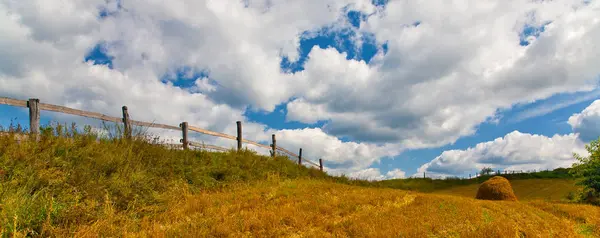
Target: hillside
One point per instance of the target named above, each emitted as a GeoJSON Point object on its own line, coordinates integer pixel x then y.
{"type": "Point", "coordinates": [73, 186]}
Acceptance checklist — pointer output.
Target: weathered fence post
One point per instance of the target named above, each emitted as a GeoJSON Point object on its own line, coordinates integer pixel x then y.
{"type": "Point", "coordinates": [321, 165]}
{"type": "Point", "coordinates": [126, 123]}
{"type": "Point", "coordinates": [424, 175]}
{"type": "Point", "coordinates": [274, 146]}
{"type": "Point", "coordinates": [239, 135]}
{"type": "Point", "coordinates": [300, 157]}
{"type": "Point", "coordinates": [34, 115]}
{"type": "Point", "coordinates": [184, 134]}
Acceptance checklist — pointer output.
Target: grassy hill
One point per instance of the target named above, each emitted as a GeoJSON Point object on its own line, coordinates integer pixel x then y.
{"type": "Point", "coordinates": [79, 185]}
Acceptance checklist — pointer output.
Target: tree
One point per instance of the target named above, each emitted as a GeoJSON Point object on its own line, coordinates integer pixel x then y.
{"type": "Point", "coordinates": [486, 171]}
{"type": "Point", "coordinates": [588, 168]}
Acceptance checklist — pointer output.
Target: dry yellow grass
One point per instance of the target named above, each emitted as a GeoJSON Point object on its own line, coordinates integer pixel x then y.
{"type": "Point", "coordinates": [526, 189]}
{"type": "Point", "coordinates": [314, 208]}
{"type": "Point", "coordinates": [60, 187]}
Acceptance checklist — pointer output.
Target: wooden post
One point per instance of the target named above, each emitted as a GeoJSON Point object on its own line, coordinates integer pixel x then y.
{"type": "Point", "coordinates": [274, 146]}
{"type": "Point", "coordinates": [424, 175]}
{"type": "Point", "coordinates": [184, 134]}
{"type": "Point", "coordinates": [300, 157]}
{"type": "Point", "coordinates": [34, 115]}
{"type": "Point", "coordinates": [321, 165]}
{"type": "Point", "coordinates": [126, 123]}
{"type": "Point", "coordinates": [469, 176]}
{"type": "Point", "coordinates": [239, 135]}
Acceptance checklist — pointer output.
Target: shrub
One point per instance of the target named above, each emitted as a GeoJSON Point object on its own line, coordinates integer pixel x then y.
{"type": "Point", "coordinates": [496, 188]}
{"type": "Point", "coordinates": [589, 170]}
{"type": "Point", "coordinates": [486, 171]}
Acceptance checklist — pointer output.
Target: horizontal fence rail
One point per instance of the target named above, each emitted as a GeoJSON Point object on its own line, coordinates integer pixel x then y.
{"type": "Point", "coordinates": [204, 146]}
{"type": "Point", "coordinates": [34, 124]}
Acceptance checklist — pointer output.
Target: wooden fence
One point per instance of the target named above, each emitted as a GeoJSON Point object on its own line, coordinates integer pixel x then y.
{"type": "Point", "coordinates": [35, 106]}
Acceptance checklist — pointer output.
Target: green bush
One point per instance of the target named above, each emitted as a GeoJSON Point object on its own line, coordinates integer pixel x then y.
{"type": "Point", "coordinates": [588, 168]}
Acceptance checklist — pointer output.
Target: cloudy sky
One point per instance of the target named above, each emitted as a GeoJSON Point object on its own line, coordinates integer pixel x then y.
{"type": "Point", "coordinates": [378, 89]}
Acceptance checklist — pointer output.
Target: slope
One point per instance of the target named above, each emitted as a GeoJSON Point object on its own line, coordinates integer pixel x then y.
{"type": "Point", "coordinates": [84, 186]}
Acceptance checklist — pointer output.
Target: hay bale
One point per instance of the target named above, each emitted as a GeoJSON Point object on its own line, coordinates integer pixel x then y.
{"type": "Point", "coordinates": [496, 188]}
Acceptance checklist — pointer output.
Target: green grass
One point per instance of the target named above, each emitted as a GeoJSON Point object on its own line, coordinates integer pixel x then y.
{"type": "Point", "coordinates": [65, 181]}
{"type": "Point", "coordinates": [431, 185]}
{"type": "Point", "coordinates": [74, 183]}
{"type": "Point", "coordinates": [525, 189]}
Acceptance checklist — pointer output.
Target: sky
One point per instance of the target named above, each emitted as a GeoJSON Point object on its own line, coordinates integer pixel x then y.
{"type": "Point", "coordinates": [377, 89]}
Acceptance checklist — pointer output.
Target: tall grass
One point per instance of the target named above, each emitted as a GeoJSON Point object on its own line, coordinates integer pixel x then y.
{"type": "Point", "coordinates": [77, 182]}
{"type": "Point", "coordinates": [74, 177]}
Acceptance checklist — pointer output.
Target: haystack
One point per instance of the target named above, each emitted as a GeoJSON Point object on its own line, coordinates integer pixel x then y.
{"type": "Point", "coordinates": [496, 188]}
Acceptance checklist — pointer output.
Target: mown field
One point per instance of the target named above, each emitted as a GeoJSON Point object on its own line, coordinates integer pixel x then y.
{"type": "Point", "coordinates": [76, 185]}
{"type": "Point", "coordinates": [526, 189]}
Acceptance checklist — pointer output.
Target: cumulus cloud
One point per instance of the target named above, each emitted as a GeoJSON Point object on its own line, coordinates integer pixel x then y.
{"type": "Point", "coordinates": [318, 144]}
{"type": "Point", "coordinates": [452, 71]}
{"type": "Point", "coordinates": [44, 44]}
{"type": "Point", "coordinates": [437, 81]}
{"type": "Point", "coordinates": [514, 151]}
{"type": "Point", "coordinates": [587, 123]}
{"type": "Point", "coordinates": [372, 174]}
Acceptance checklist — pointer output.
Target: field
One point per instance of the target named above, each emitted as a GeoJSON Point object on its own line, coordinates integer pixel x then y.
{"type": "Point", "coordinates": [80, 185]}
{"type": "Point", "coordinates": [526, 189]}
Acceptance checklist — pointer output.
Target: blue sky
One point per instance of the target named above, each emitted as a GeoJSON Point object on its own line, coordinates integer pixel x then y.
{"type": "Point", "coordinates": [398, 53]}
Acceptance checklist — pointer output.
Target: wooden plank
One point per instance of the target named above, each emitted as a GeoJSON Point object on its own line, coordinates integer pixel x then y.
{"type": "Point", "coordinates": [311, 163]}
{"type": "Point", "coordinates": [256, 144]}
{"type": "Point", "coordinates": [154, 125]}
{"type": "Point", "coordinates": [95, 115]}
{"type": "Point", "coordinates": [13, 102]}
{"type": "Point", "coordinates": [76, 112]}
{"type": "Point", "coordinates": [287, 152]}
{"type": "Point", "coordinates": [214, 147]}
{"type": "Point", "coordinates": [295, 155]}
{"type": "Point", "coordinates": [212, 133]}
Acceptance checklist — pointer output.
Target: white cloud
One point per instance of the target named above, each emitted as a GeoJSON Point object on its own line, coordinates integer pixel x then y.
{"type": "Point", "coordinates": [372, 174]}
{"type": "Point", "coordinates": [546, 108]}
{"type": "Point", "coordinates": [317, 144]}
{"type": "Point", "coordinates": [515, 151]}
{"type": "Point", "coordinates": [436, 83]}
{"type": "Point", "coordinates": [441, 79]}
{"type": "Point", "coordinates": [44, 44]}
{"type": "Point", "coordinates": [587, 123]}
